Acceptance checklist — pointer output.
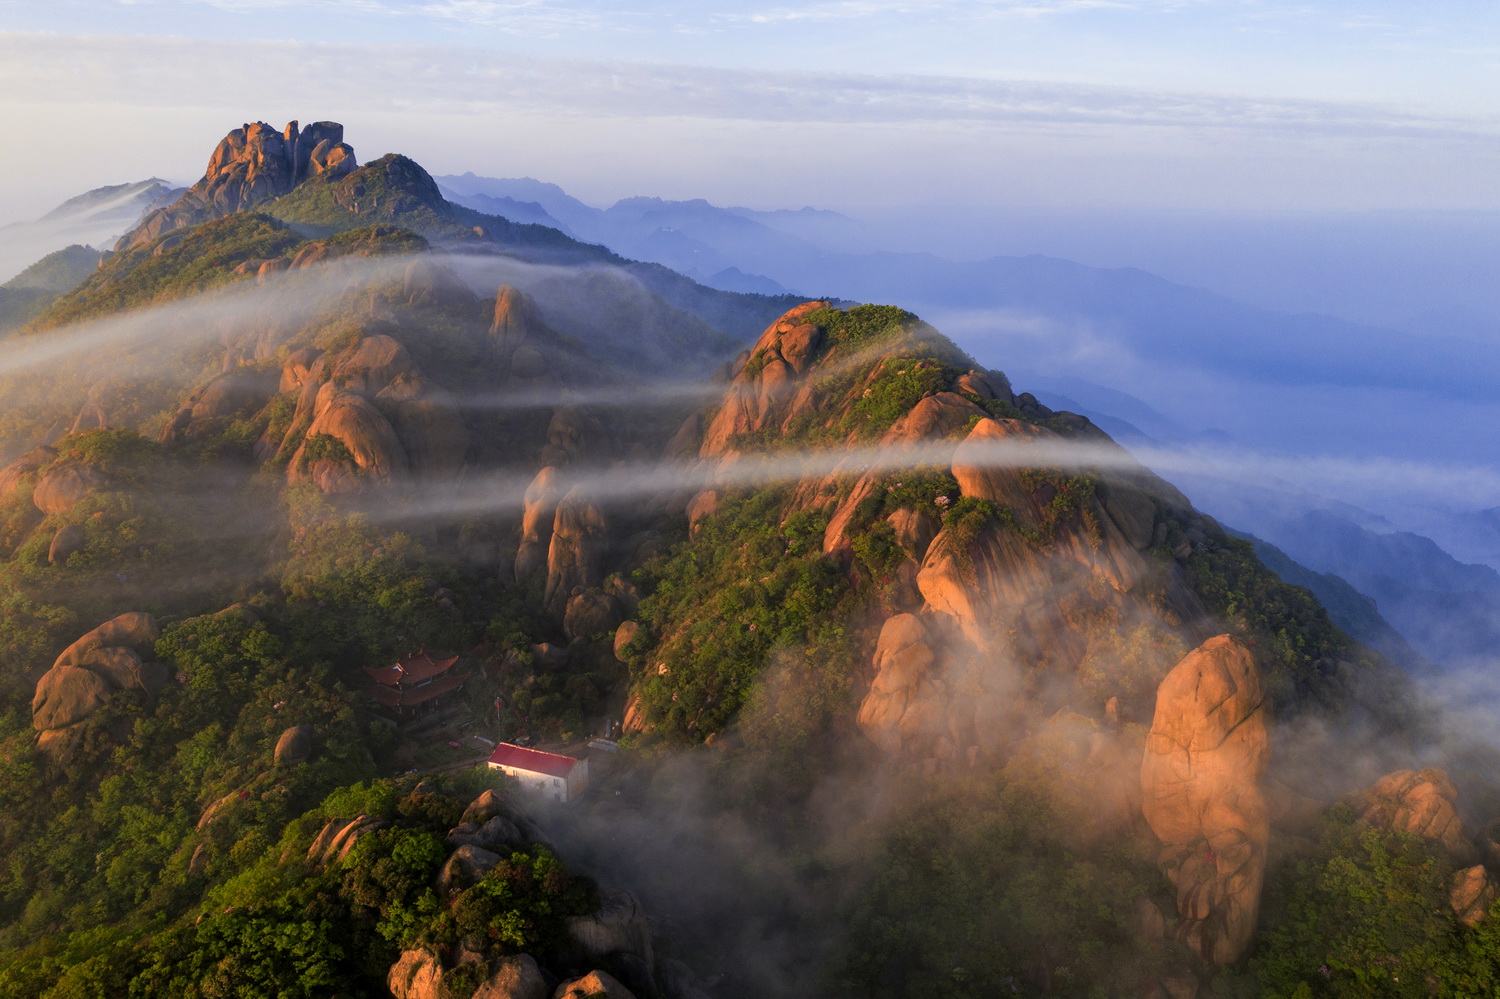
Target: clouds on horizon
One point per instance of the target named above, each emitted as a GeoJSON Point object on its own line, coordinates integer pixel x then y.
{"type": "Point", "coordinates": [158, 70]}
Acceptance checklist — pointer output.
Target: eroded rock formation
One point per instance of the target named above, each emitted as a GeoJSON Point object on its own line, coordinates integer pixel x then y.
{"type": "Point", "coordinates": [1201, 785]}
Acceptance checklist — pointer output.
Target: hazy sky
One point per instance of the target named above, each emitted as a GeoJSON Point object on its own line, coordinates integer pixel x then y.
{"type": "Point", "coordinates": [1149, 103]}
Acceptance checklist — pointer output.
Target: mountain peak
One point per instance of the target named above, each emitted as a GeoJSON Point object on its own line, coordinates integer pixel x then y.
{"type": "Point", "coordinates": [253, 164]}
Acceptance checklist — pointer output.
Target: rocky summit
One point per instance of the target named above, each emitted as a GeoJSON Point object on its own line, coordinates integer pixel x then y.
{"type": "Point", "coordinates": [814, 656]}
{"type": "Point", "coordinates": [252, 165]}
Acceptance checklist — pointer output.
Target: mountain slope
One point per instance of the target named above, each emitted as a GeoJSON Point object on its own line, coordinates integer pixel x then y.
{"type": "Point", "coordinates": [927, 689]}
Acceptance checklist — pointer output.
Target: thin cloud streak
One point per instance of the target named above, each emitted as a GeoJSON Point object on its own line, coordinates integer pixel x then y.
{"type": "Point", "coordinates": [157, 70]}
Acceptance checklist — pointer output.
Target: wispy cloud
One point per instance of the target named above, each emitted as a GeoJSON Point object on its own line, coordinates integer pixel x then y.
{"type": "Point", "coordinates": [171, 71]}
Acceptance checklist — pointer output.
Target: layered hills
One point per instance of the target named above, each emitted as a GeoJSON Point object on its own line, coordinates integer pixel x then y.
{"type": "Point", "coordinates": [890, 647]}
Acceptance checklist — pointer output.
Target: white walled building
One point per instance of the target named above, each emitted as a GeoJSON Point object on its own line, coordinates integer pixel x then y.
{"type": "Point", "coordinates": [549, 774]}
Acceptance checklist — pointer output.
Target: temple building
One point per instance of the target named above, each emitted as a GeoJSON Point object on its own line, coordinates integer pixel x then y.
{"type": "Point", "coordinates": [415, 687]}
{"type": "Point", "coordinates": [550, 774]}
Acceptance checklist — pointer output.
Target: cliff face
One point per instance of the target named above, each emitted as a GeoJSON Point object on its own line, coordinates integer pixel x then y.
{"type": "Point", "coordinates": [252, 165]}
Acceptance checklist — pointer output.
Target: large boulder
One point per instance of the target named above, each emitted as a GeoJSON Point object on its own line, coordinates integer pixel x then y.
{"type": "Point", "coordinates": [594, 985]}
{"type": "Point", "coordinates": [1202, 794]}
{"type": "Point", "coordinates": [516, 319]}
{"type": "Point", "coordinates": [624, 635]}
{"type": "Point", "coordinates": [589, 613]}
{"type": "Point", "coordinates": [466, 865]}
{"type": "Point", "coordinates": [1472, 894]}
{"type": "Point", "coordinates": [88, 673]}
{"type": "Point", "coordinates": [66, 542]}
{"type": "Point", "coordinates": [294, 746]}
{"type": "Point", "coordinates": [373, 448]}
{"type": "Point", "coordinates": [66, 483]}
{"type": "Point", "coordinates": [133, 630]}
{"type": "Point", "coordinates": [372, 365]}
{"type": "Point", "coordinates": [420, 974]}
{"type": "Point", "coordinates": [66, 695]}
{"type": "Point", "coordinates": [32, 461]}
{"type": "Point", "coordinates": [417, 974]}
{"type": "Point", "coordinates": [1421, 802]}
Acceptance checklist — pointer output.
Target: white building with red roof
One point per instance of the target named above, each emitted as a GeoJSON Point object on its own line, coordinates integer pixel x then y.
{"type": "Point", "coordinates": [549, 774]}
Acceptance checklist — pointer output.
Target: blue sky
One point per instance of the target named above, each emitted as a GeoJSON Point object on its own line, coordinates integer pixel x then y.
{"type": "Point", "coordinates": [1232, 104]}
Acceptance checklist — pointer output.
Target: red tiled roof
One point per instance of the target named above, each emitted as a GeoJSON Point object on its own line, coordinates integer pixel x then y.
{"type": "Point", "coordinates": [412, 669]}
{"type": "Point", "coordinates": [534, 760]}
{"type": "Point", "coordinates": [392, 697]}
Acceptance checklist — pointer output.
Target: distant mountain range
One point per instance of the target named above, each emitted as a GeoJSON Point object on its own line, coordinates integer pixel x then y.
{"type": "Point", "coordinates": [95, 218]}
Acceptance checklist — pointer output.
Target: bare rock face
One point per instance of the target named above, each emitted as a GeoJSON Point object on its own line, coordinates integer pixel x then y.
{"type": "Point", "coordinates": [252, 165]}
{"type": "Point", "coordinates": [376, 452]}
{"type": "Point", "coordinates": [591, 612]}
{"type": "Point", "coordinates": [538, 513]}
{"type": "Point", "coordinates": [466, 865]}
{"type": "Point", "coordinates": [66, 483]}
{"type": "Point", "coordinates": [1421, 802]}
{"type": "Point", "coordinates": [1472, 895]}
{"type": "Point", "coordinates": [515, 977]}
{"type": "Point", "coordinates": [624, 635]}
{"type": "Point", "coordinates": [66, 695]}
{"type": "Point", "coordinates": [89, 672]}
{"type": "Point", "coordinates": [617, 931]}
{"type": "Point", "coordinates": [516, 319]}
{"type": "Point", "coordinates": [419, 974]}
{"type": "Point", "coordinates": [297, 368]}
{"type": "Point", "coordinates": [594, 985]}
{"type": "Point", "coordinates": [226, 395]}
{"type": "Point", "coordinates": [580, 538]}
{"type": "Point", "coordinates": [427, 423]}
{"type": "Point", "coordinates": [902, 704]}
{"type": "Point", "coordinates": [339, 837]}
{"type": "Point", "coordinates": [67, 541]}
{"type": "Point", "coordinates": [485, 807]}
{"type": "Point", "coordinates": [294, 746]}
{"type": "Point", "coordinates": [1202, 792]}
{"type": "Point", "coordinates": [30, 462]}
{"type": "Point", "coordinates": [134, 630]}
{"type": "Point", "coordinates": [761, 386]}
{"type": "Point", "coordinates": [372, 365]}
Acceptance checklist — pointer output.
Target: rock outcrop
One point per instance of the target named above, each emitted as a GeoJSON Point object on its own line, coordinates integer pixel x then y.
{"type": "Point", "coordinates": [66, 483]}
{"type": "Point", "coordinates": [1201, 782]}
{"type": "Point", "coordinates": [294, 746]}
{"type": "Point", "coordinates": [594, 985]}
{"type": "Point", "coordinates": [420, 974]}
{"type": "Point", "coordinates": [538, 512]}
{"type": "Point", "coordinates": [618, 933]}
{"type": "Point", "coordinates": [66, 542]}
{"type": "Point", "coordinates": [1421, 802]}
{"type": "Point", "coordinates": [1472, 895]}
{"type": "Point", "coordinates": [901, 706]}
{"type": "Point", "coordinates": [28, 464]}
{"type": "Point", "coordinates": [575, 554]}
{"type": "Point", "coordinates": [252, 165]}
{"type": "Point", "coordinates": [89, 672]}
